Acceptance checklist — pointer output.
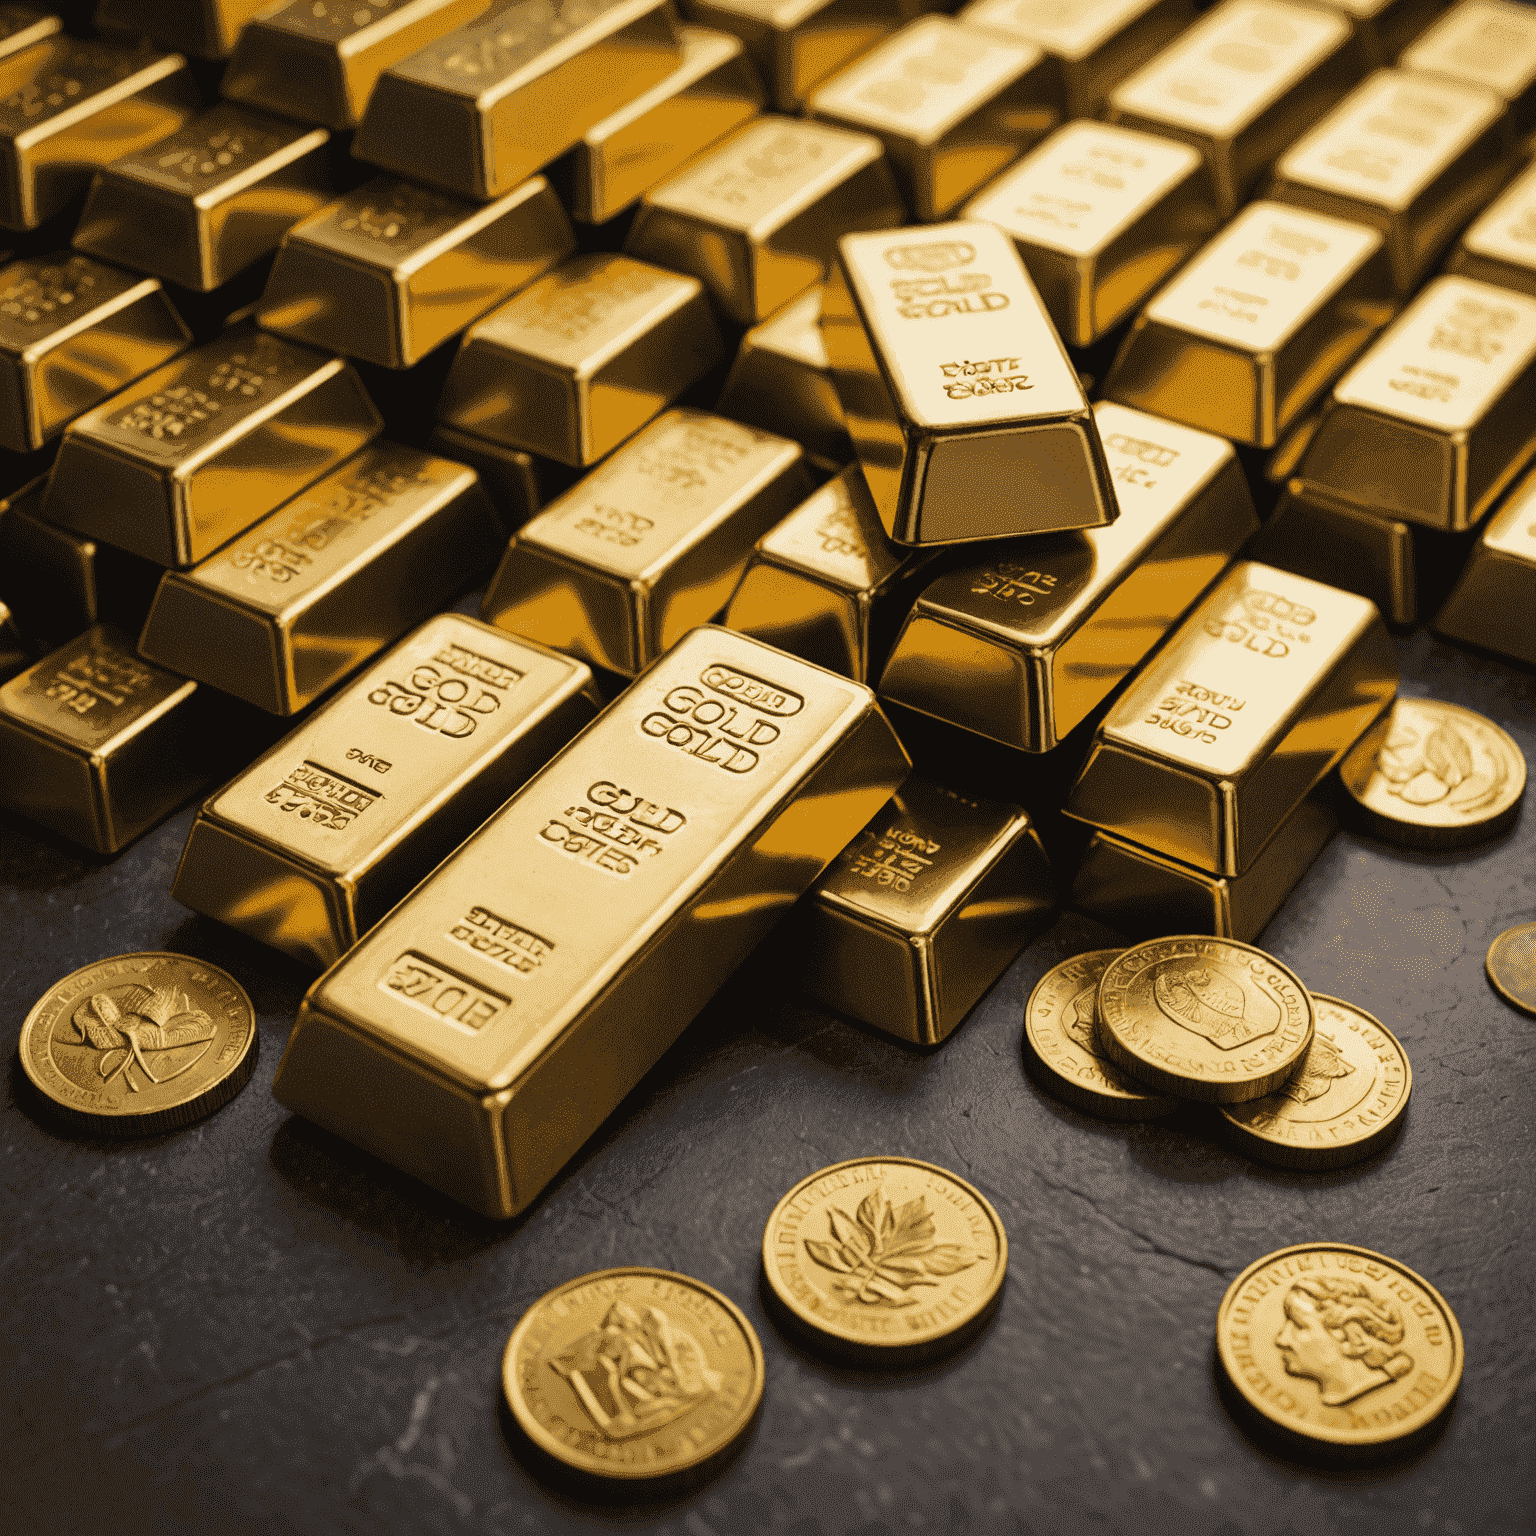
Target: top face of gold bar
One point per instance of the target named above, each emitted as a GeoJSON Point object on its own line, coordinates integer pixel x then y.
{"type": "Point", "coordinates": [1067, 29]}
{"type": "Point", "coordinates": [355, 27]}
{"type": "Point", "coordinates": [1489, 42]}
{"type": "Point", "coordinates": [45, 299]}
{"type": "Point", "coordinates": [835, 536]}
{"type": "Point", "coordinates": [1512, 529]}
{"type": "Point", "coordinates": [61, 81]}
{"type": "Point", "coordinates": [1506, 229]}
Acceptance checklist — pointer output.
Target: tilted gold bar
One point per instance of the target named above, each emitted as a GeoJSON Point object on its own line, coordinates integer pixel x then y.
{"type": "Point", "coordinates": [583, 359]}
{"type": "Point", "coordinates": [1258, 324]}
{"type": "Point", "coordinates": [1102, 216]}
{"type": "Point", "coordinates": [307, 595]}
{"type": "Point", "coordinates": [649, 544]}
{"type": "Point", "coordinates": [72, 332]}
{"type": "Point", "coordinates": [968, 418]}
{"type": "Point", "coordinates": [1500, 244]}
{"type": "Point", "coordinates": [1023, 645]}
{"type": "Point", "coordinates": [1386, 27]}
{"type": "Point", "coordinates": [481, 109]}
{"type": "Point", "coordinates": [952, 104]}
{"type": "Point", "coordinates": [625, 881]}
{"type": "Point", "coordinates": [1256, 696]}
{"type": "Point", "coordinates": [313, 843]}
{"type": "Point", "coordinates": [518, 482]}
{"type": "Point", "coordinates": [206, 28]}
{"type": "Point", "coordinates": [23, 25]}
{"type": "Point", "coordinates": [1439, 416]}
{"type": "Point", "coordinates": [1496, 596]}
{"type": "Point", "coordinates": [916, 918]}
{"type": "Point", "coordinates": [1241, 84]}
{"type": "Point", "coordinates": [391, 270]}
{"type": "Point", "coordinates": [1486, 42]}
{"type": "Point", "coordinates": [756, 219]}
{"type": "Point", "coordinates": [203, 447]}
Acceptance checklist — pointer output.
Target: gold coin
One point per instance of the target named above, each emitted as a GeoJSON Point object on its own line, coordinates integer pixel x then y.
{"type": "Point", "coordinates": [1435, 775]}
{"type": "Point", "coordinates": [885, 1257]}
{"type": "Point", "coordinates": [1058, 1026]}
{"type": "Point", "coordinates": [1338, 1344]}
{"type": "Point", "coordinates": [1511, 966]}
{"type": "Point", "coordinates": [633, 1374]}
{"type": "Point", "coordinates": [1204, 1018]}
{"type": "Point", "coordinates": [140, 1044]}
{"type": "Point", "coordinates": [1344, 1101]}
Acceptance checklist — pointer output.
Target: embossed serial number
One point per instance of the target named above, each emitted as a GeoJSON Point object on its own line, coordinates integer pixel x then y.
{"type": "Point", "coordinates": [436, 990]}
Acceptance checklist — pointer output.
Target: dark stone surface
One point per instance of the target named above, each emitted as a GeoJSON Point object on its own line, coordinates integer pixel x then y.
{"type": "Point", "coordinates": [249, 1326]}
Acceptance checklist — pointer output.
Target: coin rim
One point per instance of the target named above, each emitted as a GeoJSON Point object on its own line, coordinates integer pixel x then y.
{"type": "Point", "coordinates": [1498, 986]}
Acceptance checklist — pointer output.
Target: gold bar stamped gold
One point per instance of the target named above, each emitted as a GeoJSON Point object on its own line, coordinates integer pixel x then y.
{"type": "Point", "coordinates": [1493, 603]}
{"type": "Point", "coordinates": [1499, 246]}
{"type": "Point", "coordinates": [1484, 42]}
{"type": "Point", "coordinates": [205, 28]}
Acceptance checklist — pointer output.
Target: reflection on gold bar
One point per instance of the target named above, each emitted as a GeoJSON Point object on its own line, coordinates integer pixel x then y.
{"type": "Point", "coordinates": [392, 270]}
{"type": "Point", "coordinates": [1495, 599]}
{"type": "Point", "coordinates": [1241, 84]}
{"type": "Point", "coordinates": [1260, 691]}
{"type": "Point", "coordinates": [203, 447]}
{"type": "Point", "coordinates": [1500, 245]}
{"type": "Point", "coordinates": [1022, 646]}
{"type": "Point", "coordinates": [481, 109]}
{"type": "Point", "coordinates": [923, 911]}
{"type": "Point", "coordinates": [311, 845]}
{"type": "Point", "coordinates": [22, 25]}
{"type": "Point", "coordinates": [583, 359]}
{"type": "Point", "coordinates": [14, 654]}
{"type": "Point", "coordinates": [1386, 27]}
{"type": "Point", "coordinates": [1258, 324]}
{"type": "Point", "coordinates": [756, 219]}
{"type": "Point", "coordinates": [310, 593]}
{"type": "Point", "coordinates": [518, 482]}
{"type": "Point", "coordinates": [649, 544]}
{"type": "Point", "coordinates": [207, 28]}
{"type": "Point", "coordinates": [624, 883]}
{"type": "Point", "coordinates": [1101, 216]}
{"type": "Point", "coordinates": [1486, 42]}
{"type": "Point", "coordinates": [72, 332]}
{"type": "Point", "coordinates": [952, 104]}
{"type": "Point", "coordinates": [968, 419]}
{"type": "Point", "coordinates": [1437, 419]}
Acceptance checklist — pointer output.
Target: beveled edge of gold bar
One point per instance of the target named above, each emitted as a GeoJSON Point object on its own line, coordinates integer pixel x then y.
{"type": "Point", "coordinates": [31, 25]}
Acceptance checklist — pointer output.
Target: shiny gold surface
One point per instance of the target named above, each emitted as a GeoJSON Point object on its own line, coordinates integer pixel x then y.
{"type": "Point", "coordinates": [756, 219]}
{"type": "Point", "coordinates": [646, 861]}
{"type": "Point", "coordinates": [192, 455]}
{"type": "Point", "coordinates": [1511, 966]}
{"type": "Point", "coordinates": [957, 390]}
{"type": "Point", "coordinates": [23, 25]}
{"type": "Point", "coordinates": [305, 596]}
{"type": "Point", "coordinates": [1258, 324]}
{"type": "Point", "coordinates": [207, 28]}
{"type": "Point", "coordinates": [518, 482]}
{"type": "Point", "coordinates": [1499, 246]}
{"type": "Point", "coordinates": [321, 836]}
{"type": "Point", "coordinates": [1487, 42]}
{"type": "Point", "coordinates": [482, 108]}
{"type": "Point", "coordinates": [1496, 596]}
{"type": "Point", "coordinates": [923, 911]}
{"type": "Point", "coordinates": [649, 544]}
{"type": "Point", "coordinates": [1260, 691]}
{"type": "Point", "coordinates": [1024, 644]}
{"type": "Point", "coordinates": [392, 270]}
{"type": "Point", "coordinates": [15, 654]}
{"type": "Point", "coordinates": [1386, 27]}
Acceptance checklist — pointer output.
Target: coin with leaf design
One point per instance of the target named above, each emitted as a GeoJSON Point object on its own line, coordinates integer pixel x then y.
{"type": "Point", "coordinates": [887, 1258]}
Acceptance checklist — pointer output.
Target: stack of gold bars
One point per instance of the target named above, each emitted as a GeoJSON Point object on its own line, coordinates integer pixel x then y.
{"type": "Point", "coordinates": [813, 392]}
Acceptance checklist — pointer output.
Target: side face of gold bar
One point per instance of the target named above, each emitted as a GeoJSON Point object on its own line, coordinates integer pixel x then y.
{"type": "Point", "coordinates": [1486, 42]}
{"type": "Point", "coordinates": [313, 843]}
{"type": "Point", "coordinates": [650, 544]}
{"type": "Point", "coordinates": [1494, 600]}
{"type": "Point", "coordinates": [518, 482]}
{"type": "Point", "coordinates": [1500, 245]}
{"type": "Point", "coordinates": [1386, 27]}
{"type": "Point", "coordinates": [207, 28]}
{"type": "Point", "coordinates": [631, 876]}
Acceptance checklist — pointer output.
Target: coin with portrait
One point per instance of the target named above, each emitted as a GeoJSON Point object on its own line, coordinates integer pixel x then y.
{"type": "Point", "coordinates": [1511, 966]}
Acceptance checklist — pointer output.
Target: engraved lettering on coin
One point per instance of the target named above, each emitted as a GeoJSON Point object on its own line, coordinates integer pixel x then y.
{"type": "Point", "coordinates": [1211, 1003]}
{"type": "Point", "coordinates": [881, 1252]}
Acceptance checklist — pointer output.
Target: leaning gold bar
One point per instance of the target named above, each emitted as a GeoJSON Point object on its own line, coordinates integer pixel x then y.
{"type": "Point", "coordinates": [1240, 85]}
{"type": "Point", "coordinates": [1258, 324]}
{"type": "Point", "coordinates": [1496, 596]}
{"type": "Point", "coordinates": [481, 109]}
{"type": "Point", "coordinates": [626, 881]}
{"type": "Point", "coordinates": [1386, 27]}
{"type": "Point", "coordinates": [1500, 244]}
{"type": "Point", "coordinates": [23, 25]}
{"type": "Point", "coordinates": [1024, 645]}
{"type": "Point", "coordinates": [313, 843]}
{"type": "Point", "coordinates": [518, 482]}
{"type": "Point", "coordinates": [391, 270]}
{"type": "Point", "coordinates": [952, 104]}
{"type": "Point", "coordinates": [649, 544]}
{"type": "Point", "coordinates": [1439, 416]}
{"type": "Point", "coordinates": [1485, 42]}
{"type": "Point", "coordinates": [919, 915]}
{"type": "Point", "coordinates": [1253, 699]}
{"type": "Point", "coordinates": [756, 219]}
{"type": "Point", "coordinates": [968, 418]}
{"type": "Point", "coordinates": [1102, 216]}
{"type": "Point", "coordinates": [206, 28]}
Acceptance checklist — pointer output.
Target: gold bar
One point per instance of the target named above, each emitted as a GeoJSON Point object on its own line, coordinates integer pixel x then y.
{"type": "Point", "coordinates": [481, 109]}
{"type": "Point", "coordinates": [14, 652]}
{"type": "Point", "coordinates": [518, 482]}
{"type": "Point", "coordinates": [1500, 244]}
{"type": "Point", "coordinates": [205, 28]}
{"type": "Point", "coordinates": [957, 390]}
{"type": "Point", "coordinates": [756, 219]}
{"type": "Point", "coordinates": [313, 843]}
{"type": "Point", "coordinates": [916, 918]}
{"type": "Point", "coordinates": [1024, 645]}
{"type": "Point", "coordinates": [1258, 324]}
{"type": "Point", "coordinates": [631, 875]}
{"type": "Point", "coordinates": [390, 270]}
{"type": "Point", "coordinates": [1246, 80]}
{"type": "Point", "coordinates": [307, 595]}
{"type": "Point", "coordinates": [1386, 27]}
{"type": "Point", "coordinates": [827, 585]}
{"type": "Point", "coordinates": [72, 332]}
{"type": "Point", "coordinates": [1495, 599]}
{"type": "Point", "coordinates": [1484, 42]}
{"type": "Point", "coordinates": [1251, 701]}
{"type": "Point", "coordinates": [1439, 416]}
{"type": "Point", "coordinates": [583, 359]}
{"type": "Point", "coordinates": [21, 26]}
{"type": "Point", "coordinates": [1102, 216]}
{"type": "Point", "coordinates": [203, 447]}
{"type": "Point", "coordinates": [649, 544]}
{"type": "Point", "coordinates": [952, 104]}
